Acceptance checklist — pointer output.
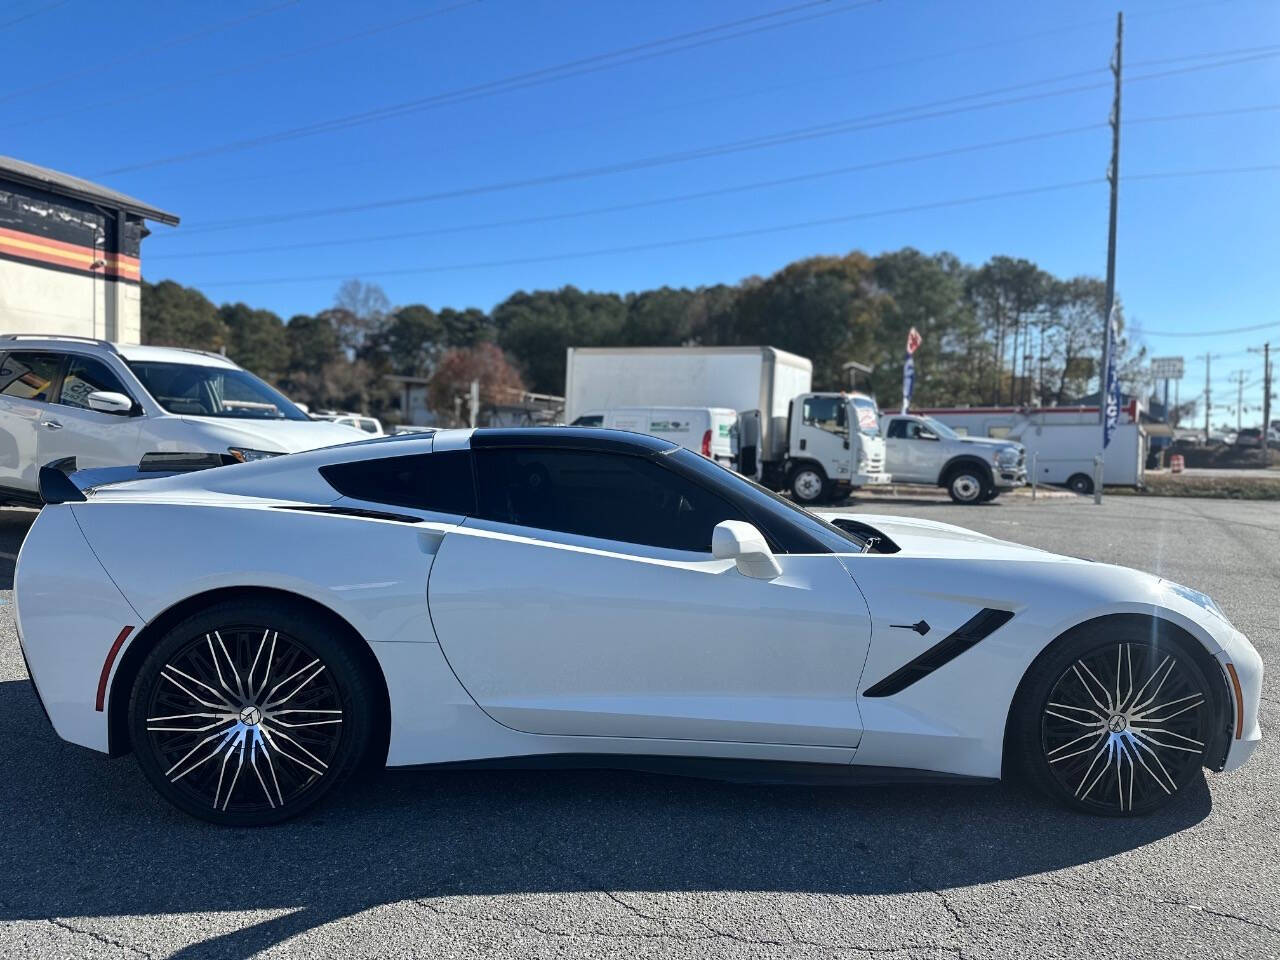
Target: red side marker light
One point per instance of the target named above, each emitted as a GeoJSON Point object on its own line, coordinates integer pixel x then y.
{"type": "Point", "coordinates": [106, 667]}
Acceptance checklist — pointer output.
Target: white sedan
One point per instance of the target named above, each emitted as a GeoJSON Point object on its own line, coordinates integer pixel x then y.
{"type": "Point", "coordinates": [255, 632]}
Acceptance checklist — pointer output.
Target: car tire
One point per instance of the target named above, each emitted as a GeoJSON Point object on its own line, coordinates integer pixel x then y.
{"type": "Point", "coordinates": [1081, 483]}
{"type": "Point", "coordinates": [965, 485]}
{"type": "Point", "coordinates": [809, 485]}
{"type": "Point", "coordinates": [250, 712]}
{"type": "Point", "coordinates": [1087, 729]}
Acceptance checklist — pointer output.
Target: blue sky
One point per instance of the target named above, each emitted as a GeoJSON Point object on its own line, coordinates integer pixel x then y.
{"type": "Point", "coordinates": [159, 99]}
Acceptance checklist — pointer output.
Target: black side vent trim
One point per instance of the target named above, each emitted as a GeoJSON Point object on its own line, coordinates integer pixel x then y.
{"type": "Point", "coordinates": [356, 512]}
{"type": "Point", "coordinates": [980, 627]}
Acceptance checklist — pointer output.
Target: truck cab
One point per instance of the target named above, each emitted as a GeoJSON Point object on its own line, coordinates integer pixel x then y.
{"type": "Point", "coordinates": [833, 446]}
{"type": "Point", "coordinates": [971, 469]}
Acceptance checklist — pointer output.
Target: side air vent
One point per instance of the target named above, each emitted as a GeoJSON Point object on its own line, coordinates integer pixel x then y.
{"type": "Point", "coordinates": [944, 651]}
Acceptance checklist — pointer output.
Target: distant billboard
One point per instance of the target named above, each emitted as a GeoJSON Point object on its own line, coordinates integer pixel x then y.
{"type": "Point", "coordinates": [1166, 368]}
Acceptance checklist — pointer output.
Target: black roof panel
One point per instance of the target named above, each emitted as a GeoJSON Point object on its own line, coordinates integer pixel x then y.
{"type": "Point", "coordinates": [577, 438]}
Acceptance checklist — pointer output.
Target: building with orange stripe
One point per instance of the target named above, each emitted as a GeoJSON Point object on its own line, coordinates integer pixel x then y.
{"type": "Point", "coordinates": [70, 254]}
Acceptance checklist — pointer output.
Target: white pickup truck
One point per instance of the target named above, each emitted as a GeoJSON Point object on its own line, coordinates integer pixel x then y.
{"type": "Point", "coordinates": [972, 469]}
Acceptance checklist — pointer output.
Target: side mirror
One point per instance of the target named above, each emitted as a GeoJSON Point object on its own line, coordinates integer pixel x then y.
{"type": "Point", "coordinates": [742, 543]}
{"type": "Point", "coordinates": [107, 401]}
{"type": "Point", "coordinates": [926, 435]}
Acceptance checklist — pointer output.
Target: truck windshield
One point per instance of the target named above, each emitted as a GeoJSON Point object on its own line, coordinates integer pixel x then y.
{"type": "Point", "coordinates": [868, 416]}
{"type": "Point", "coordinates": [207, 391]}
{"type": "Point", "coordinates": [941, 429]}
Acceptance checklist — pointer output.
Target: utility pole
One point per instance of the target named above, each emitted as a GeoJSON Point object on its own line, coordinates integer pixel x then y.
{"type": "Point", "coordinates": [1239, 376]}
{"type": "Point", "coordinates": [1266, 389]}
{"type": "Point", "coordinates": [1208, 400]}
{"type": "Point", "coordinates": [1266, 392]}
{"type": "Point", "coordinates": [1113, 177]}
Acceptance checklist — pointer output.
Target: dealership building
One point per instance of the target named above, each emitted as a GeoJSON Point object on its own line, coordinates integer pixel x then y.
{"type": "Point", "coordinates": [70, 254]}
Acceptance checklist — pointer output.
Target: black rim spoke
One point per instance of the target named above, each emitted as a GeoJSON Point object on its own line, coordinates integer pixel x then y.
{"type": "Point", "coordinates": [1123, 724]}
{"type": "Point", "coordinates": [244, 719]}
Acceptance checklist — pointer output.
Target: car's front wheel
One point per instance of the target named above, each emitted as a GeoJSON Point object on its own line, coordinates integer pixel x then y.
{"type": "Point", "coordinates": [1114, 720]}
{"type": "Point", "coordinates": [248, 713]}
{"type": "Point", "coordinates": [965, 485]}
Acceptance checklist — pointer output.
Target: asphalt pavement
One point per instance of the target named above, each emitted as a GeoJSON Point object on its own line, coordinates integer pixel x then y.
{"type": "Point", "coordinates": [595, 864]}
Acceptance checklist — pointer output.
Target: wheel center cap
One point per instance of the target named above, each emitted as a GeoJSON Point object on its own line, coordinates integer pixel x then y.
{"type": "Point", "coordinates": [250, 716]}
{"type": "Point", "coordinates": [1118, 723]}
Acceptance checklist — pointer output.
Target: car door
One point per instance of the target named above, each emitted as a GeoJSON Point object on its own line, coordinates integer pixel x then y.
{"type": "Point", "coordinates": [821, 433]}
{"type": "Point", "coordinates": [583, 600]}
{"type": "Point", "coordinates": [28, 380]}
{"type": "Point", "coordinates": [898, 449]}
{"type": "Point", "coordinates": [68, 428]}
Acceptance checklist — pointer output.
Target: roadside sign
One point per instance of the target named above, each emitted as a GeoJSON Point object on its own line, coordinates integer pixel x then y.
{"type": "Point", "coordinates": [1166, 368]}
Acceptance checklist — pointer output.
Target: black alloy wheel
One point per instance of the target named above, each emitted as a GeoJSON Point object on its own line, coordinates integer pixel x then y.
{"type": "Point", "coordinates": [1117, 726]}
{"type": "Point", "coordinates": [247, 716]}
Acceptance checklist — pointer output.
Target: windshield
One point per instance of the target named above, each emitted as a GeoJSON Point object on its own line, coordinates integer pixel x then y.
{"type": "Point", "coordinates": [768, 502]}
{"type": "Point", "coordinates": [204, 391]}
{"type": "Point", "coordinates": [941, 429]}
{"type": "Point", "coordinates": [868, 416]}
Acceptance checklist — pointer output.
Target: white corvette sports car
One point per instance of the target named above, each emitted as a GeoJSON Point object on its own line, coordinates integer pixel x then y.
{"type": "Point", "coordinates": [255, 632]}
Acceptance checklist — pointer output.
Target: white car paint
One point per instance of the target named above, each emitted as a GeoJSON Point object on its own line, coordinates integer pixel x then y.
{"type": "Point", "coordinates": [498, 641]}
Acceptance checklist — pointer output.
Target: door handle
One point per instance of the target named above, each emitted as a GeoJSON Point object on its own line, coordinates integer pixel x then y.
{"type": "Point", "coordinates": [803, 443]}
{"type": "Point", "coordinates": [52, 425]}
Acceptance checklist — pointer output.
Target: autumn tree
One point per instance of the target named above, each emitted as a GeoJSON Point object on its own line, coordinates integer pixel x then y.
{"type": "Point", "coordinates": [450, 387]}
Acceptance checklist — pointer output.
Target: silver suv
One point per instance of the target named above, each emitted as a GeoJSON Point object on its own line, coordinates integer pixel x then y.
{"type": "Point", "coordinates": [106, 405]}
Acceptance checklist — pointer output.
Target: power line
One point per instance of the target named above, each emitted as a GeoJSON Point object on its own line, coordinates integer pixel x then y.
{"type": "Point", "coordinates": [573, 68]}
{"type": "Point", "coordinates": [33, 13]}
{"type": "Point", "coordinates": [641, 204]}
{"type": "Point", "coordinates": [97, 66]}
{"type": "Point", "coordinates": [704, 194]}
{"type": "Point", "coordinates": [665, 244]}
{"type": "Point", "coordinates": [551, 74]}
{"type": "Point", "coordinates": [1210, 333]}
{"type": "Point", "coordinates": [909, 114]}
{"type": "Point", "coordinates": [243, 67]}
{"type": "Point", "coordinates": [685, 241]}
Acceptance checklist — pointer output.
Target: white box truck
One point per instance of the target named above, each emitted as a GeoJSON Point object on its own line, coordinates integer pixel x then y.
{"type": "Point", "coordinates": [818, 445]}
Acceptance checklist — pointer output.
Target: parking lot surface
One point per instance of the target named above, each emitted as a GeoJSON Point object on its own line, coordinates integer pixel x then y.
{"type": "Point", "coordinates": [592, 864]}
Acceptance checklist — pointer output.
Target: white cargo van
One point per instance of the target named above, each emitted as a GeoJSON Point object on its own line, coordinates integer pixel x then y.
{"type": "Point", "coordinates": [709, 431]}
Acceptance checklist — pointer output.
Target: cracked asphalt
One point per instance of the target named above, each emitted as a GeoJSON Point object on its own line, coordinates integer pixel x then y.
{"type": "Point", "coordinates": [595, 864]}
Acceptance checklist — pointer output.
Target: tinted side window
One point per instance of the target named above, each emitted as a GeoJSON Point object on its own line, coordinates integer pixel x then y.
{"type": "Point", "coordinates": [428, 481]}
{"type": "Point", "coordinates": [29, 376]}
{"type": "Point", "coordinates": [84, 376]}
{"type": "Point", "coordinates": [606, 495]}
{"type": "Point", "coordinates": [897, 429]}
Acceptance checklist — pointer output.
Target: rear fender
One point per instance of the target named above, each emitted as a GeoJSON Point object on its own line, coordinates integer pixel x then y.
{"type": "Point", "coordinates": [70, 615]}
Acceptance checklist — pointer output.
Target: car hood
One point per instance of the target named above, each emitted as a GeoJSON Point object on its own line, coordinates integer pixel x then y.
{"type": "Point", "coordinates": [278, 436]}
{"type": "Point", "coordinates": [929, 538]}
{"type": "Point", "coordinates": [991, 441]}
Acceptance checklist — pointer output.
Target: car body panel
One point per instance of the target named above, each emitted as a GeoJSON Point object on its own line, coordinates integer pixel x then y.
{"type": "Point", "coordinates": [577, 647]}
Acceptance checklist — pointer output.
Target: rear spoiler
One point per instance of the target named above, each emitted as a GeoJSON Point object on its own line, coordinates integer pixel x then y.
{"type": "Point", "coordinates": [61, 482]}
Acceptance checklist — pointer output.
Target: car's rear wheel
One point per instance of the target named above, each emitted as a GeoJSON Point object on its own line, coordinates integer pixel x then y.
{"type": "Point", "coordinates": [1114, 720]}
{"type": "Point", "coordinates": [249, 713]}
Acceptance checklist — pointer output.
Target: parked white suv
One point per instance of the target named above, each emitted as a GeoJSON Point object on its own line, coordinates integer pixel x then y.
{"type": "Point", "coordinates": [972, 469]}
{"type": "Point", "coordinates": [107, 405]}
